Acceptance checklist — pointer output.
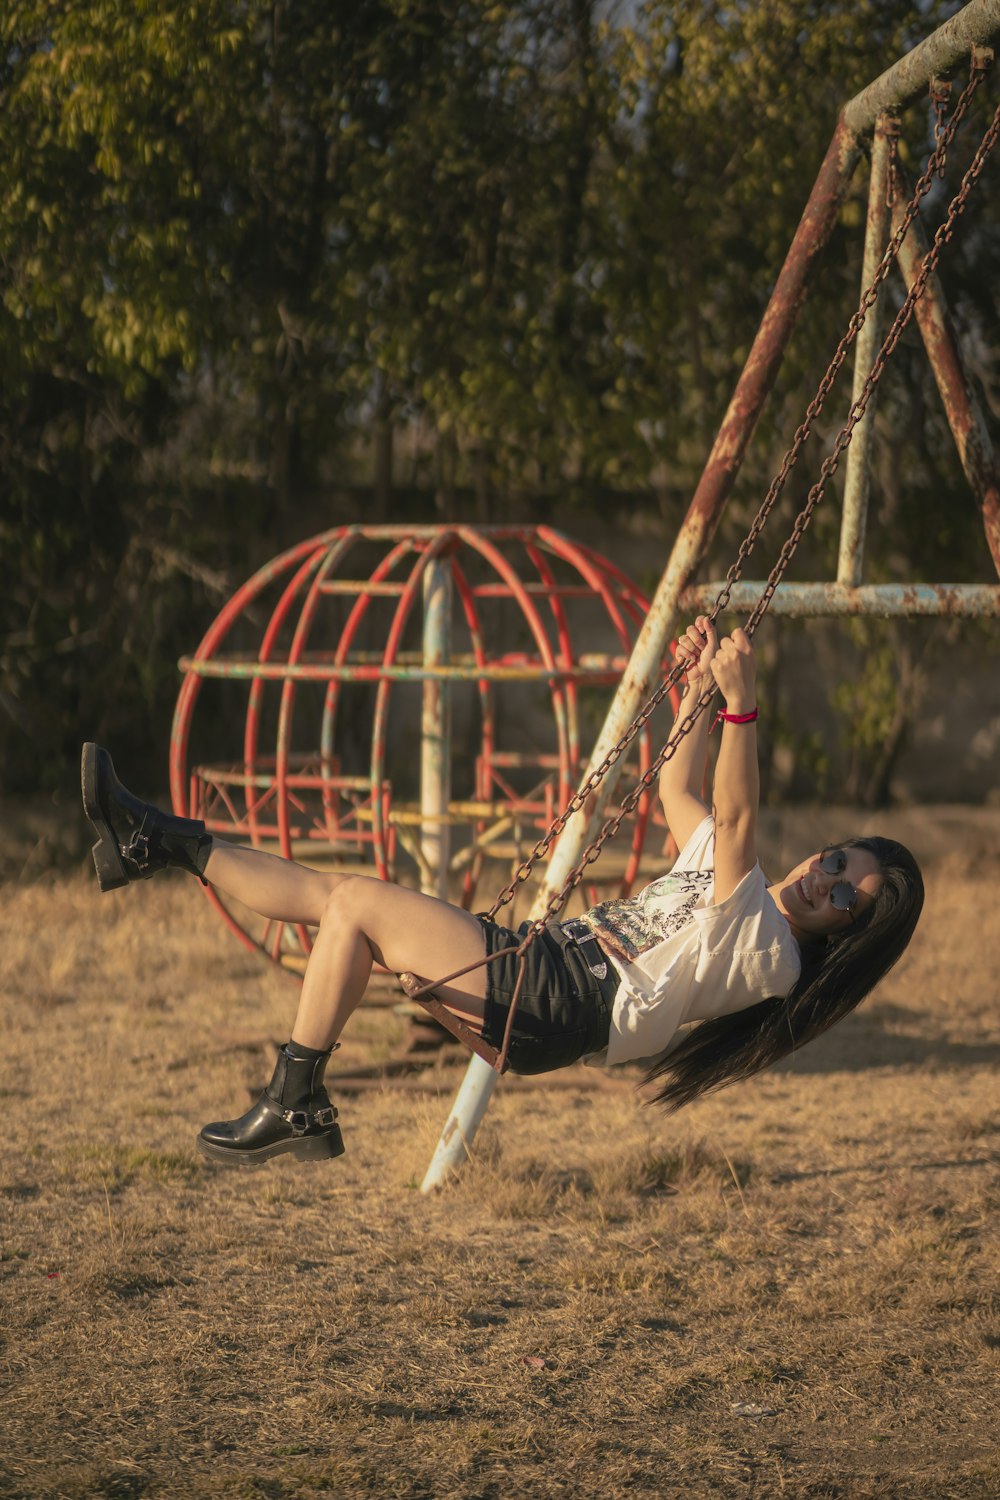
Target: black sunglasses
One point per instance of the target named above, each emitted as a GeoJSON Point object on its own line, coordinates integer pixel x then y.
{"type": "Point", "coordinates": [843, 895]}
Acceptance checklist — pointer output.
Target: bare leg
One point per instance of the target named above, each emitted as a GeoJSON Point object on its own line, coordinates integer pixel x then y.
{"type": "Point", "coordinates": [365, 921]}
{"type": "Point", "coordinates": [271, 886]}
{"type": "Point", "coordinates": [362, 921]}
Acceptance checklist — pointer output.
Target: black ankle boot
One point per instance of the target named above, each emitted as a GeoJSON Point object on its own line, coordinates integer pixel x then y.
{"type": "Point", "coordinates": [135, 839]}
{"type": "Point", "coordinates": [293, 1114]}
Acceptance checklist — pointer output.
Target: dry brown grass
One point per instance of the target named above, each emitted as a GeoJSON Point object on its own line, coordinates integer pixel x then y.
{"type": "Point", "coordinates": [788, 1290]}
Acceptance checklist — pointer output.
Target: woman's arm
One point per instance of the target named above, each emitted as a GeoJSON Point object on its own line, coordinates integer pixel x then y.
{"type": "Point", "coordinates": [736, 789]}
{"type": "Point", "coordinates": [682, 777]}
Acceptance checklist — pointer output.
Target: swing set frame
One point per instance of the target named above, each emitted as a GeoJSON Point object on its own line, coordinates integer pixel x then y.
{"type": "Point", "coordinates": [872, 113]}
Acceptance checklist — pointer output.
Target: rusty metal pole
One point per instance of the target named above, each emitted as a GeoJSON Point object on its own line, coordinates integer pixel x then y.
{"type": "Point", "coordinates": [764, 359]}
{"type": "Point", "coordinates": [435, 732]}
{"type": "Point", "coordinates": [899, 85]}
{"type": "Point", "coordinates": [885, 601]}
{"type": "Point", "coordinates": [975, 25]}
{"type": "Point", "coordinates": [858, 472]}
{"type": "Point", "coordinates": [964, 413]}
{"type": "Point", "coordinates": [938, 55]}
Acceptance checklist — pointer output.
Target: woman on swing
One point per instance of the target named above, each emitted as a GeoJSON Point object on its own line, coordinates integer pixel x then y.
{"type": "Point", "coordinates": [762, 967]}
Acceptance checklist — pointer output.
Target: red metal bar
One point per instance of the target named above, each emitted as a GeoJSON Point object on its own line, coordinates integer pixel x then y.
{"type": "Point", "coordinates": [597, 580]}
{"type": "Point", "coordinates": [487, 744]}
{"type": "Point", "coordinates": [633, 600]}
{"type": "Point", "coordinates": [332, 699]}
{"type": "Point", "coordinates": [484, 545]}
{"type": "Point", "coordinates": [545, 573]}
{"type": "Point", "coordinates": [278, 617]}
{"type": "Point", "coordinates": [211, 640]}
{"type": "Point", "coordinates": [438, 545]}
{"type": "Point", "coordinates": [303, 625]}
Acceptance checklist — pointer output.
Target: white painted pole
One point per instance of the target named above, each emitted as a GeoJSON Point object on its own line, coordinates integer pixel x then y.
{"type": "Point", "coordinates": [471, 1104]}
{"type": "Point", "coordinates": [638, 681]}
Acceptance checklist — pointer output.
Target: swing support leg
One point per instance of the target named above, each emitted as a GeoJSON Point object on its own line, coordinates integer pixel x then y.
{"type": "Point", "coordinates": [965, 416]}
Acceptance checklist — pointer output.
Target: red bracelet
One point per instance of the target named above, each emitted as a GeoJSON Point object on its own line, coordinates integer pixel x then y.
{"type": "Point", "coordinates": [734, 718]}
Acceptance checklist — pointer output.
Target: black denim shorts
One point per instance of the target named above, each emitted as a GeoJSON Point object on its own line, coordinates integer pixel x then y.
{"type": "Point", "coordinates": [564, 1011]}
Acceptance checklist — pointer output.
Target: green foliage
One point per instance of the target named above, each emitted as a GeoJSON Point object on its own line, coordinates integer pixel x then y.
{"type": "Point", "coordinates": [868, 700]}
{"type": "Point", "coordinates": [237, 238]}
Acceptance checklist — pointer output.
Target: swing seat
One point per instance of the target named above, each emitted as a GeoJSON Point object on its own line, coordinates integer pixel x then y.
{"type": "Point", "coordinates": [416, 989]}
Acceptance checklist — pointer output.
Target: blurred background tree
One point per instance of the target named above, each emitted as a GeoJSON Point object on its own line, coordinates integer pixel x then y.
{"type": "Point", "coordinates": [268, 267]}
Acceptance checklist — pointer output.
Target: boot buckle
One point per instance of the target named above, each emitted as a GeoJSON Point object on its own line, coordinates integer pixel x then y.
{"type": "Point", "coordinates": [298, 1119]}
{"type": "Point", "coordinates": [137, 850]}
{"type": "Point", "coordinates": [325, 1116]}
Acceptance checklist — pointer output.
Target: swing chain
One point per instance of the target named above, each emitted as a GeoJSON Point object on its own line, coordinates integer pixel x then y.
{"type": "Point", "coordinates": [868, 300]}
{"type": "Point", "coordinates": [576, 804]}
{"type": "Point", "coordinates": [940, 94]}
{"type": "Point", "coordinates": [829, 466]}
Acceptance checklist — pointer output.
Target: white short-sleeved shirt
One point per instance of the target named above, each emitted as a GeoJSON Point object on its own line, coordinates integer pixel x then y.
{"type": "Point", "coordinates": [681, 957]}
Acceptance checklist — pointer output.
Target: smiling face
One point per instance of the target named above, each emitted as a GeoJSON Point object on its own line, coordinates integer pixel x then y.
{"type": "Point", "coordinates": [806, 895]}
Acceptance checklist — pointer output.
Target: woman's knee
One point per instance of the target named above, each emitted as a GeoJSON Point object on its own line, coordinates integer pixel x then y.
{"type": "Point", "coordinates": [351, 901]}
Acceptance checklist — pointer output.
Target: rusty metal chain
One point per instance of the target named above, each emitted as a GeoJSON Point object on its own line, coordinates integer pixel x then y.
{"type": "Point", "coordinates": [937, 159]}
{"type": "Point", "coordinates": [829, 466]}
{"type": "Point", "coordinates": [940, 94]}
{"type": "Point", "coordinates": [868, 300]}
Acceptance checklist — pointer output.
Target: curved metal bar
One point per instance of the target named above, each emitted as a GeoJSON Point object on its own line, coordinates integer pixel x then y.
{"type": "Point", "coordinates": [331, 703]}
{"type": "Point", "coordinates": [569, 772]}
{"type": "Point", "coordinates": [207, 646]}
{"type": "Point", "coordinates": [487, 743]}
{"type": "Point", "coordinates": [501, 566]}
{"type": "Point", "coordinates": [632, 599]}
{"type": "Point", "coordinates": [593, 574]}
{"type": "Point", "coordinates": [252, 725]}
{"type": "Point", "coordinates": [351, 626]}
{"type": "Point", "coordinates": [595, 571]}
{"type": "Point", "coordinates": [329, 560]}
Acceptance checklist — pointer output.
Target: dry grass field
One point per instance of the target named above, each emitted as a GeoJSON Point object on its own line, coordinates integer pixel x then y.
{"type": "Point", "coordinates": [788, 1290]}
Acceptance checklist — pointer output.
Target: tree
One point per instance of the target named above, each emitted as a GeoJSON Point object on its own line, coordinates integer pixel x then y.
{"type": "Point", "coordinates": [237, 236]}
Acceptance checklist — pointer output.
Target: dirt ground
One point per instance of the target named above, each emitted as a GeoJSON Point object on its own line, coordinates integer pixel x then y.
{"type": "Point", "coordinates": [789, 1289]}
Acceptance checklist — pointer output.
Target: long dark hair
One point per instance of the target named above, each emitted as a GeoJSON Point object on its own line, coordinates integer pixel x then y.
{"type": "Point", "coordinates": [837, 974]}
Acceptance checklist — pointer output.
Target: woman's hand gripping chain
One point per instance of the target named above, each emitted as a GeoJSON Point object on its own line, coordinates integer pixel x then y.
{"type": "Point", "coordinates": [695, 650]}
{"type": "Point", "coordinates": [734, 668]}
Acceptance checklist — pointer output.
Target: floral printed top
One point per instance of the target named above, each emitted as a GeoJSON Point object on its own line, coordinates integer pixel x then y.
{"type": "Point", "coordinates": [681, 957]}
